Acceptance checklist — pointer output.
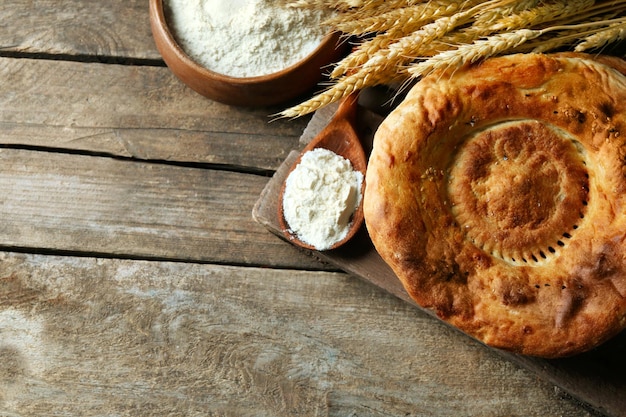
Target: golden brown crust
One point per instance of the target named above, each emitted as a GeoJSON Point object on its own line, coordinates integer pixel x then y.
{"type": "Point", "coordinates": [497, 194]}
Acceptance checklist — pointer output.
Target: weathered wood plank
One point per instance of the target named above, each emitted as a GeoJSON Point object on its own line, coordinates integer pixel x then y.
{"type": "Point", "coordinates": [113, 337]}
{"type": "Point", "coordinates": [134, 111]}
{"type": "Point", "coordinates": [113, 28]}
{"type": "Point", "coordinates": [61, 202]}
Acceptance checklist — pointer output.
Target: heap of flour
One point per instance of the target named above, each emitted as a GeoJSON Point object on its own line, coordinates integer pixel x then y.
{"type": "Point", "coordinates": [321, 195]}
{"type": "Point", "coordinates": [244, 38]}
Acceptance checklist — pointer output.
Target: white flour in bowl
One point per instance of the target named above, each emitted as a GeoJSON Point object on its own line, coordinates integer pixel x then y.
{"type": "Point", "coordinates": [320, 196]}
{"type": "Point", "coordinates": [244, 38]}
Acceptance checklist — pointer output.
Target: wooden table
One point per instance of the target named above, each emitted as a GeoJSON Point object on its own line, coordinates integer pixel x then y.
{"type": "Point", "coordinates": [134, 280]}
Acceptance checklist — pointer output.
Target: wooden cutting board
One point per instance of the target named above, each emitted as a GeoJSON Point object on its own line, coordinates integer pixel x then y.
{"type": "Point", "coordinates": [597, 378]}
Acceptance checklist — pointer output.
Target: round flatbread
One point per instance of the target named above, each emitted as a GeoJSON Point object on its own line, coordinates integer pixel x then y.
{"type": "Point", "coordinates": [497, 194]}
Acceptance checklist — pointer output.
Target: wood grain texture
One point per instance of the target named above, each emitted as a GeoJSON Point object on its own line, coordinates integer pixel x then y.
{"type": "Point", "coordinates": [88, 336]}
{"type": "Point", "coordinates": [135, 112]}
{"type": "Point", "coordinates": [88, 204]}
{"type": "Point", "coordinates": [72, 27]}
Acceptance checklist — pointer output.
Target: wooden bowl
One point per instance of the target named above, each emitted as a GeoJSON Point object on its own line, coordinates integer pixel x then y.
{"type": "Point", "coordinates": [266, 90]}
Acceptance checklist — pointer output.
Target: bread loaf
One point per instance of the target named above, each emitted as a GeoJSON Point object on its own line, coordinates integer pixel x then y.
{"type": "Point", "coordinates": [497, 194]}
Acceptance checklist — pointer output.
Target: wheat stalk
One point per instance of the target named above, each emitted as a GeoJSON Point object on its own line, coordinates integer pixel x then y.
{"type": "Point", "coordinates": [377, 7]}
{"type": "Point", "coordinates": [494, 45]}
{"type": "Point", "coordinates": [407, 20]}
{"type": "Point", "coordinates": [557, 41]}
{"type": "Point", "coordinates": [615, 32]}
{"type": "Point", "coordinates": [342, 88]}
{"type": "Point", "coordinates": [339, 5]}
{"type": "Point", "coordinates": [398, 21]}
{"type": "Point", "coordinates": [406, 46]}
{"type": "Point", "coordinates": [357, 7]}
{"type": "Point", "coordinates": [400, 40]}
{"type": "Point", "coordinates": [487, 17]}
{"type": "Point", "coordinates": [469, 53]}
{"type": "Point", "coordinates": [541, 14]}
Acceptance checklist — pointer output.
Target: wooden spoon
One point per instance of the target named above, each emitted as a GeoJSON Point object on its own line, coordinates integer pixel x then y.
{"type": "Point", "coordinates": [339, 136]}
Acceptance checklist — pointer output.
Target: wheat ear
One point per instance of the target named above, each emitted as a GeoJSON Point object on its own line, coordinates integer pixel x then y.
{"type": "Point", "coordinates": [398, 21]}
{"type": "Point", "coordinates": [469, 53]}
{"type": "Point", "coordinates": [383, 66]}
{"type": "Point", "coordinates": [488, 17]}
{"type": "Point", "coordinates": [342, 88]}
{"type": "Point", "coordinates": [340, 5]}
{"type": "Point", "coordinates": [408, 21]}
{"type": "Point", "coordinates": [541, 14]}
{"type": "Point", "coordinates": [376, 7]}
{"type": "Point", "coordinates": [613, 33]}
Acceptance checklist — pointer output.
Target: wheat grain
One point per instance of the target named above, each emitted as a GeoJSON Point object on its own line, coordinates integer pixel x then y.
{"type": "Point", "coordinates": [488, 17]}
{"type": "Point", "coordinates": [452, 40]}
{"type": "Point", "coordinates": [404, 49]}
{"type": "Point", "coordinates": [383, 68]}
{"type": "Point", "coordinates": [340, 5]}
{"type": "Point", "coordinates": [360, 56]}
{"type": "Point", "coordinates": [615, 32]}
{"type": "Point", "coordinates": [336, 92]}
{"type": "Point", "coordinates": [602, 8]}
{"type": "Point", "coordinates": [494, 45]}
{"type": "Point", "coordinates": [410, 46]}
{"type": "Point", "coordinates": [360, 7]}
{"type": "Point", "coordinates": [377, 7]}
{"type": "Point", "coordinates": [541, 14]}
{"type": "Point", "coordinates": [469, 53]}
{"type": "Point", "coordinates": [398, 21]}
{"type": "Point", "coordinates": [408, 20]}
